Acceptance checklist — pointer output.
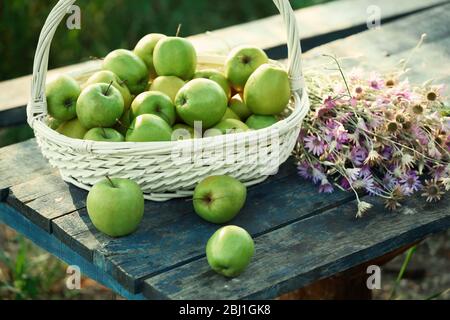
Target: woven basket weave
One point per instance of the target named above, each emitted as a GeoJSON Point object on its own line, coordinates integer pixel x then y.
{"type": "Point", "coordinates": [167, 170]}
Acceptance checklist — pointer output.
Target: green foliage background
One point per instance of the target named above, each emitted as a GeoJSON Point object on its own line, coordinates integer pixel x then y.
{"type": "Point", "coordinates": [110, 24]}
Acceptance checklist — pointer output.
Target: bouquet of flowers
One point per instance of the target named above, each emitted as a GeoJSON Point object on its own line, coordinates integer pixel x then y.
{"type": "Point", "coordinates": [375, 134]}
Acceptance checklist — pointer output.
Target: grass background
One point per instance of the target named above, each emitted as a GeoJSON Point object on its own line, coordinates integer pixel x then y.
{"type": "Point", "coordinates": [107, 25]}
{"type": "Point", "coordinates": [111, 24]}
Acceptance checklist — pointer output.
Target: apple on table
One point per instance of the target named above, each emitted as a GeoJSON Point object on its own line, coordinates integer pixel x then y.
{"type": "Point", "coordinates": [116, 206]}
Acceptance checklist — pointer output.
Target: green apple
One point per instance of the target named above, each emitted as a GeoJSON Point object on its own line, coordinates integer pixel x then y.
{"type": "Point", "coordinates": [145, 49]}
{"type": "Point", "coordinates": [229, 126]}
{"type": "Point", "coordinates": [201, 100]}
{"type": "Point", "coordinates": [128, 67]}
{"type": "Point", "coordinates": [241, 63]}
{"type": "Point", "coordinates": [218, 199]}
{"type": "Point", "coordinates": [215, 76]}
{"type": "Point", "coordinates": [62, 94]}
{"type": "Point", "coordinates": [167, 85]}
{"type": "Point", "coordinates": [174, 56]}
{"type": "Point", "coordinates": [148, 128]}
{"type": "Point", "coordinates": [156, 103]}
{"type": "Point", "coordinates": [54, 123]}
{"type": "Point", "coordinates": [108, 77]}
{"type": "Point", "coordinates": [72, 129]}
{"type": "Point", "coordinates": [267, 91]}
{"type": "Point", "coordinates": [116, 206]}
{"type": "Point", "coordinates": [230, 250]}
{"type": "Point", "coordinates": [239, 107]}
{"type": "Point", "coordinates": [257, 122]}
{"type": "Point", "coordinates": [99, 105]}
{"type": "Point", "coordinates": [104, 134]}
{"type": "Point", "coordinates": [230, 114]}
{"type": "Point", "coordinates": [183, 132]}
{"type": "Point", "coordinates": [124, 122]}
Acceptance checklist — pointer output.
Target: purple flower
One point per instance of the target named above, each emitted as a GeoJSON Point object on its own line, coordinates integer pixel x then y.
{"type": "Point", "coordinates": [305, 170]}
{"type": "Point", "coordinates": [375, 81]}
{"type": "Point", "coordinates": [358, 155]}
{"type": "Point", "coordinates": [318, 174]}
{"type": "Point", "coordinates": [387, 152]}
{"type": "Point", "coordinates": [345, 184]}
{"type": "Point", "coordinates": [326, 187]}
{"type": "Point", "coordinates": [410, 183]}
{"type": "Point", "coordinates": [389, 181]}
{"type": "Point", "coordinates": [365, 171]}
{"type": "Point", "coordinates": [438, 172]}
{"type": "Point", "coordinates": [419, 134]}
{"type": "Point", "coordinates": [329, 103]}
{"type": "Point", "coordinates": [315, 145]}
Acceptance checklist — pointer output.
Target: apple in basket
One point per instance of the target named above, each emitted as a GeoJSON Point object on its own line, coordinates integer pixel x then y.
{"type": "Point", "coordinates": [230, 250]}
{"type": "Point", "coordinates": [149, 128]}
{"type": "Point", "coordinates": [218, 199]}
{"type": "Point", "coordinates": [100, 105]}
{"type": "Point", "coordinates": [227, 126]}
{"type": "Point", "coordinates": [104, 135]}
{"type": "Point", "coordinates": [116, 206]}
{"type": "Point", "coordinates": [145, 49]}
{"type": "Point", "coordinates": [241, 63]}
{"type": "Point", "coordinates": [257, 122]}
{"type": "Point", "coordinates": [184, 132]}
{"type": "Point", "coordinates": [169, 85]}
{"type": "Point", "coordinates": [267, 91]}
{"type": "Point", "coordinates": [128, 67]}
{"type": "Point", "coordinates": [230, 114]}
{"type": "Point", "coordinates": [62, 94]}
{"type": "Point", "coordinates": [156, 103]}
{"type": "Point", "coordinates": [217, 77]}
{"type": "Point", "coordinates": [108, 77]}
{"type": "Point", "coordinates": [201, 100]}
{"type": "Point", "coordinates": [72, 129]}
{"type": "Point", "coordinates": [239, 107]}
{"type": "Point", "coordinates": [175, 56]}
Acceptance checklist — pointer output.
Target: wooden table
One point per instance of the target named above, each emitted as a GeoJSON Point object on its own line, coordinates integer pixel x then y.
{"type": "Point", "coordinates": [303, 239]}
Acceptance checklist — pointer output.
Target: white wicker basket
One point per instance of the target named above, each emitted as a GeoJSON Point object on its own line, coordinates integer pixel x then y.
{"type": "Point", "coordinates": [157, 166]}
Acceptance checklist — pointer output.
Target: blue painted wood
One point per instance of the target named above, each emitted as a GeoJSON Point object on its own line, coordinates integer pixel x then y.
{"type": "Point", "coordinates": [174, 235]}
{"type": "Point", "coordinates": [48, 242]}
{"type": "Point", "coordinates": [307, 251]}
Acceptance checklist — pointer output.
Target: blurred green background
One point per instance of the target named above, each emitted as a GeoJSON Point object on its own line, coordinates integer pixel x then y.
{"type": "Point", "coordinates": [111, 24]}
{"type": "Point", "coordinates": [107, 25]}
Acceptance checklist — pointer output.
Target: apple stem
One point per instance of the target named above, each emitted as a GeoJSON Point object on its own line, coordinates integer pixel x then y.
{"type": "Point", "coordinates": [104, 133]}
{"type": "Point", "coordinates": [109, 87]}
{"type": "Point", "coordinates": [178, 30]}
{"type": "Point", "coordinates": [110, 181]}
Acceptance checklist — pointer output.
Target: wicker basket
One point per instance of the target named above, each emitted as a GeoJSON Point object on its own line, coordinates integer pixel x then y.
{"type": "Point", "coordinates": [167, 170]}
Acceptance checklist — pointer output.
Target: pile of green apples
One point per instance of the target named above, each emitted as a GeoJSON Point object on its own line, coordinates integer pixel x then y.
{"type": "Point", "coordinates": [116, 208]}
{"type": "Point", "coordinates": [158, 92]}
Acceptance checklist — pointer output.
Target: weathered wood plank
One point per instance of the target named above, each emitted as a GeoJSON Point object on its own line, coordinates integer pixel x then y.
{"type": "Point", "coordinates": [307, 251]}
{"type": "Point", "coordinates": [45, 198]}
{"type": "Point", "coordinates": [316, 21]}
{"type": "Point", "coordinates": [49, 243]}
{"type": "Point", "coordinates": [266, 33]}
{"type": "Point", "coordinates": [384, 48]}
{"type": "Point", "coordinates": [172, 234]}
{"type": "Point", "coordinates": [21, 162]}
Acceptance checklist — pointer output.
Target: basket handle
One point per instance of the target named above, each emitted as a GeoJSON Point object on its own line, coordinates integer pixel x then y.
{"type": "Point", "coordinates": [37, 106]}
